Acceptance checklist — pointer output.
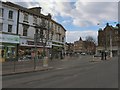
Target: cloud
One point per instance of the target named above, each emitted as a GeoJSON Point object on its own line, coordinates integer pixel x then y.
{"type": "Point", "coordinates": [65, 22]}
{"type": "Point", "coordinates": [83, 13]}
{"type": "Point", "coordinates": [72, 36]}
{"type": "Point", "coordinates": [90, 13]}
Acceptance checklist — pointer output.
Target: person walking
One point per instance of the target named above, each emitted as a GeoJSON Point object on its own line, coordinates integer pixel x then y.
{"type": "Point", "coordinates": [102, 56]}
{"type": "Point", "coordinates": [2, 53]}
{"type": "Point", "coordinates": [105, 56]}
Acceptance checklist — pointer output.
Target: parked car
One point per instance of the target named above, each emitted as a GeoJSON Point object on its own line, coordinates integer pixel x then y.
{"type": "Point", "coordinates": [83, 53]}
{"type": "Point", "coordinates": [97, 55]}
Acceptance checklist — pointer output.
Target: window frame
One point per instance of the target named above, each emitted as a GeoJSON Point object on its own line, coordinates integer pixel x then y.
{"type": "Point", "coordinates": [10, 14]}
{"type": "Point", "coordinates": [34, 19]}
{"type": "Point", "coordinates": [25, 17]}
{"type": "Point", "coordinates": [1, 28]}
{"type": "Point", "coordinates": [25, 30]}
{"type": "Point", "coordinates": [10, 28]}
{"type": "Point", "coordinates": [2, 12]}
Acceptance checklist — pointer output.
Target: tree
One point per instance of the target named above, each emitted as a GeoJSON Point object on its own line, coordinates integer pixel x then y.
{"type": "Point", "coordinates": [90, 39]}
{"type": "Point", "coordinates": [89, 44]}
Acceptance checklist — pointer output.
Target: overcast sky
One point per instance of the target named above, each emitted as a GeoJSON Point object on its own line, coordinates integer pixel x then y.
{"type": "Point", "coordinates": [79, 17]}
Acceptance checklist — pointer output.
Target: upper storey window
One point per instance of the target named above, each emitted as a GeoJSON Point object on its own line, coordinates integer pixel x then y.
{"type": "Point", "coordinates": [10, 15]}
{"type": "Point", "coordinates": [1, 12]}
{"type": "Point", "coordinates": [35, 20]}
{"type": "Point", "coordinates": [25, 17]}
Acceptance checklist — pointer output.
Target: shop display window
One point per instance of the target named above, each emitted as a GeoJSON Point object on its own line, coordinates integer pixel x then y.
{"type": "Point", "coordinates": [2, 52]}
{"type": "Point", "coordinates": [11, 51]}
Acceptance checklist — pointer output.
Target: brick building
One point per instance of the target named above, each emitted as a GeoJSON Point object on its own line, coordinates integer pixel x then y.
{"type": "Point", "coordinates": [81, 46]}
{"type": "Point", "coordinates": [69, 48]}
{"type": "Point", "coordinates": [108, 39]}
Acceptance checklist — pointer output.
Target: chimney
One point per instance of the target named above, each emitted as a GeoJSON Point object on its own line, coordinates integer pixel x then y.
{"type": "Point", "coordinates": [49, 15]}
{"type": "Point", "coordinates": [36, 9]}
{"type": "Point", "coordinates": [118, 25]}
{"type": "Point", "coordinates": [107, 24]}
{"type": "Point", "coordinates": [80, 39]}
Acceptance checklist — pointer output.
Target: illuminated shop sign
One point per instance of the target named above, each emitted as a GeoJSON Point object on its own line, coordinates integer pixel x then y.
{"type": "Point", "coordinates": [9, 38]}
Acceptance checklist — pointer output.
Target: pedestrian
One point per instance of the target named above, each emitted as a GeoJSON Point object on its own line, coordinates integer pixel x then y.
{"type": "Point", "coordinates": [105, 56]}
{"type": "Point", "coordinates": [102, 55]}
{"type": "Point", "coordinates": [2, 53]}
{"type": "Point", "coordinates": [38, 55]}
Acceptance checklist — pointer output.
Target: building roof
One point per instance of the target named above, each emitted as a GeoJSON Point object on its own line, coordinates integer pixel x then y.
{"type": "Point", "coordinates": [31, 12]}
{"type": "Point", "coordinates": [80, 39]}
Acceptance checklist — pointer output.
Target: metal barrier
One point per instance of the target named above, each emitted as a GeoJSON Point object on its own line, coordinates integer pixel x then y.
{"type": "Point", "coordinates": [21, 65]}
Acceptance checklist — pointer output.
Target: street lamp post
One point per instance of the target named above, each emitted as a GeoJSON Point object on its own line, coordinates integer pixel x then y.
{"type": "Point", "coordinates": [36, 40]}
{"type": "Point", "coordinates": [41, 34]}
{"type": "Point", "coordinates": [111, 44]}
{"type": "Point", "coordinates": [45, 36]}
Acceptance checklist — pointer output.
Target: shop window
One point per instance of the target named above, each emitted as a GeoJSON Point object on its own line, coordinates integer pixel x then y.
{"type": "Point", "coordinates": [10, 52]}
{"type": "Point", "coordinates": [10, 15]}
{"type": "Point", "coordinates": [2, 52]}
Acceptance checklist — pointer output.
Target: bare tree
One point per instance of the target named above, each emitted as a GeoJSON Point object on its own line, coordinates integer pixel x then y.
{"type": "Point", "coordinates": [89, 44]}
{"type": "Point", "coordinates": [90, 39]}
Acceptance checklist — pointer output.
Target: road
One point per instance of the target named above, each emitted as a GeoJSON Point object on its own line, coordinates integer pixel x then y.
{"type": "Point", "coordinates": [77, 73]}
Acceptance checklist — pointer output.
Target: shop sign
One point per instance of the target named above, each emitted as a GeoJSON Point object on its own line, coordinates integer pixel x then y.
{"type": "Point", "coordinates": [49, 44]}
{"type": "Point", "coordinates": [9, 38]}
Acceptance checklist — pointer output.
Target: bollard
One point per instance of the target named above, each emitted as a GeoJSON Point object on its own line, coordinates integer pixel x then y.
{"type": "Point", "coordinates": [45, 62]}
{"type": "Point", "coordinates": [93, 57]}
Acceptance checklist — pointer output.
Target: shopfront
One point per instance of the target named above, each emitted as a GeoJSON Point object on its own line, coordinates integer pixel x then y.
{"type": "Point", "coordinates": [27, 49]}
{"type": "Point", "coordinates": [57, 50]}
{"type": "Point", "coordinates": [8, 47]}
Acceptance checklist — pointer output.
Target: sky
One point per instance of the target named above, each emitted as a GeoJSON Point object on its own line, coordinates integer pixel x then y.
{"type": "Point", "coordinates": [79, 17]}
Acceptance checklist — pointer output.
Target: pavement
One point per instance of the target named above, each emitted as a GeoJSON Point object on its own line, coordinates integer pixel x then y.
{"type": "Point", "coordinates": [21, 67]}
{"type": "Point", "coordinates": [8, 68]}
{"type": "Point", "coordinates": [73, 72]}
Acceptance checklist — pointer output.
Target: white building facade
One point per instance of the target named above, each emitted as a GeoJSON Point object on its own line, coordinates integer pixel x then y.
{"type": "Point", "coordinates": [8, 32]}
{"type": "Point", "coordinates": [24, 25]}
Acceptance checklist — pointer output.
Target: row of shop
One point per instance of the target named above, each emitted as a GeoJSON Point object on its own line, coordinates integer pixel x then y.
{"type": "Point", "coordinates": [115, 50]}
{"type": "Point", "coordinates": [12, 48]}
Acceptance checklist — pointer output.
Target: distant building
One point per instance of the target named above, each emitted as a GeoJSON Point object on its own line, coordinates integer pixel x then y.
{"type": "Point", "coordinates": [69, 48]}
{"type": "Point", "coordinates": [81, 46]}
{"type": "Point", "coordinates": [108, 39]}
